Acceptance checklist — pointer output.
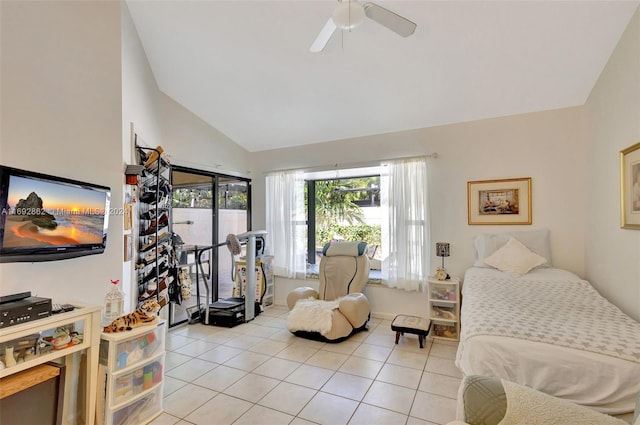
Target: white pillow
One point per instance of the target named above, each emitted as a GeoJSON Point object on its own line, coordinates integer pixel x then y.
{"type": "Point", "coordinates": [536, 240]}
{"type": "Point", "coordinates": [514, 258]}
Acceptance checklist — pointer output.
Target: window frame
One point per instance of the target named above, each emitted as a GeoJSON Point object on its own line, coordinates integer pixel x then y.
{"type": "Point", "coordinates": [311, 210]}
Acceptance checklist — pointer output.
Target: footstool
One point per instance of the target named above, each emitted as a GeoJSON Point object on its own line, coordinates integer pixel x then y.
{"type": "Point", "coordinates": [412, 325]}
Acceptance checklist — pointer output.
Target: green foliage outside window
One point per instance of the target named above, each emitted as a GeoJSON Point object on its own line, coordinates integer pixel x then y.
{"type": "Point", "coordinates": [203, 198]}
{"type": "Point", "coordinates": [338, 215]}
{"type": "Point", "coordinates": [370, 234]}
{"type": "Point", "coordinates": [192, 198]}
{"type": "Point", "coordinates": [236, 201]}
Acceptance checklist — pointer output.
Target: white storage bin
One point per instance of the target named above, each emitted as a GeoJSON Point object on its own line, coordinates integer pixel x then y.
{"type": "Point", "coordinates": [131, 375]}
{"type": "Point", "coordinates": [140, 410]}
{"type": "Point", "coordinates": [132, 346]}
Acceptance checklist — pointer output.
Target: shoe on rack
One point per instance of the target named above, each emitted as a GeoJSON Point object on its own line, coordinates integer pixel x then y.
{"type": "Point", "coordinates": [152, 229]}
{"type": "Point", "coordinates": [152, 255]}
{"type": "Point", "coordinates": [163, 284]}
{"type": "Point", "coordinates": [161, 203]}
{"type": "Point", "coordinates": [149, 215]}
{"type": "Point", "coordinates": [153, 168]}
{"type": "Point", "coordinates": [162, 221]}
{"type": "Point", "coordinates": [148, 197]}
{"type": "Point", "coordinates": [163, 270]}
{"type": "Point", "coordinates": [145, 295]}
{"type": "Point", "coordinates": [153, 156]}
{"type": "Point", "coordinates": [152, 290]}
{"type": "Point", "coordinates": [160, 185]}
{"type": "Point", "coordinates": [149, 241]}
{"type": "Point", "coordinates": [148, 194]}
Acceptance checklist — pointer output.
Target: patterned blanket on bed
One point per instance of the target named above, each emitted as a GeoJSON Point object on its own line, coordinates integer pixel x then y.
{"type": "Point", "coordinates": [567, 313]}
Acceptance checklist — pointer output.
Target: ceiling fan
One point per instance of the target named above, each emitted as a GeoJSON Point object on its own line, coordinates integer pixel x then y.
{"type": "Point", "coordinates": [351, 13]}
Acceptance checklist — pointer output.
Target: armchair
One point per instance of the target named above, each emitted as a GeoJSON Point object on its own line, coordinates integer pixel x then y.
{"type": "Point", "coordinates": [338, 309]}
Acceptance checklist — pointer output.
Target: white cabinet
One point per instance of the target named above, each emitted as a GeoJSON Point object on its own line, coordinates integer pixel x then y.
{"type": "Point", "coordinates": [444, 308]}
{"type": "Point", "coordinates": [132, 375]}
{"type": "Point", "coordinates": [31, 345]}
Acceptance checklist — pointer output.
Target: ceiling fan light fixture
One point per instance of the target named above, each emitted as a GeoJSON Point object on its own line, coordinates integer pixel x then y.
{"type": "Point", "coordinates": [348, 15]}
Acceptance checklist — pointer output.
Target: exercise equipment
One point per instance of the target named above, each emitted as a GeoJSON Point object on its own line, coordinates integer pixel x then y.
{"type": "Point", "coordinates": [236, 310]}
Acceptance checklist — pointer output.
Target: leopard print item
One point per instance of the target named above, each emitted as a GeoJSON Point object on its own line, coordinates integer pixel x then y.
{"type": "Point", "coordinates": [143, 315]}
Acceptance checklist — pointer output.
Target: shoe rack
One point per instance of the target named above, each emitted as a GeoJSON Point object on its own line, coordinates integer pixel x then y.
{"type": "Point", "coordinates": [154, 241]}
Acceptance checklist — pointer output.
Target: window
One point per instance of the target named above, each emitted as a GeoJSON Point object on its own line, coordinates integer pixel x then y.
{"type": "Point", "coordinates": [330, 203]}
{"type": "Point", "coordinates": [405, 230]}
{"type": "Point", "coordinates": [343, 209]}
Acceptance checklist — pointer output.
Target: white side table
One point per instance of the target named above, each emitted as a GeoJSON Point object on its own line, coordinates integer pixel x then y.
{"type": "Point", "coordinates": [444, 308]}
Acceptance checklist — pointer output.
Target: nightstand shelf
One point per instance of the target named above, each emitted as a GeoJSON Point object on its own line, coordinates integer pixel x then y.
{"type": "Point", "coordinates": [444, 308]}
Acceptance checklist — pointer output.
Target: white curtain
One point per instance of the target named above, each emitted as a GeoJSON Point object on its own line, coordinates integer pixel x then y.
{"type": "Point", "coordinates": [286, 223]}
{"type": "Point", "coordinates": [405, 223]}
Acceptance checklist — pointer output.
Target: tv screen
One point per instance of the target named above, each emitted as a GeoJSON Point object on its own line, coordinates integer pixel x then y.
{"type": "Point", "coordinates": [48, 218]}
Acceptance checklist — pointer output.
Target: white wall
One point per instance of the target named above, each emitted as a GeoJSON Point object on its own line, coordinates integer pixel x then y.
{"type": "Point", "coordinates": [546, 146]}
{"type": "Point", "coordinates": [139, 115]}
{"type": "Point", "coordinates": [612, 118]}
{"type": "Point", "coordinates": [74, 79]}
{"type": "Point", "coordinates": [61, 113]}
{"type": "Point", "coordinates": [193, 143]}
{"type": "Point", "coordinates": [159, 120]}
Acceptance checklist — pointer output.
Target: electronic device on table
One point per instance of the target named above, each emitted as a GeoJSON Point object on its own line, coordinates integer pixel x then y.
{"type": "Point", "coordinates": [48, 218]}
{"type": "Point", "coordinates": [61, 308]}
{"type": "Point", "coordinates": [22, 307]}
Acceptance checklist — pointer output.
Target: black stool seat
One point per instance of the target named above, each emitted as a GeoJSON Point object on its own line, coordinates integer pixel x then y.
{"type": "Point", "coordinates": [413, 325]}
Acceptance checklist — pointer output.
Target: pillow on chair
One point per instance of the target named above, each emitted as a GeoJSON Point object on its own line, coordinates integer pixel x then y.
{"type": "Point", "coordinates": [352, 249]}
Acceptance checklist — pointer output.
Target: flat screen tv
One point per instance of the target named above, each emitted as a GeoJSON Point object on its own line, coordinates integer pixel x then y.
{"type": "Point", "coordinates": [47, 218]}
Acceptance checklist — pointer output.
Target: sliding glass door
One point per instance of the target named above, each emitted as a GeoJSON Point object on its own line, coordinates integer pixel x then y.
{"type": "Point", "coordinates": [206, 207]}
{"type": "Point", "coordinates": [232, 218]}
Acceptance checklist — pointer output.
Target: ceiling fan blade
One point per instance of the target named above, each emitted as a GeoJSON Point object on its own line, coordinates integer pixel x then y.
{"type": "Point", "coordinates": [323, 38]}
{"type": "Point", "coordinates": [387, 18]}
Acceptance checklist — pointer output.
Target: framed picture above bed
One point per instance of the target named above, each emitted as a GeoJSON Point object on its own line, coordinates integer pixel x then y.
{"type": "Point", "coordinates": [505, 201]}
{"type": "Point", "coordinates": [630, 187]}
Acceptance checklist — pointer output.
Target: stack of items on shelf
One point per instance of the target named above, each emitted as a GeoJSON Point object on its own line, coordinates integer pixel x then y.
{"type": "Point", "coordinates": [154, 253]}
{"type": "Point", "coordinates": [130, 376]}
{"type": "Point", "coordinates": [444, 308]}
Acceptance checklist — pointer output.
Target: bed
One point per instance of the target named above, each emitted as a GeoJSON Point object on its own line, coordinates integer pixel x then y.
{"type": "Point", "coordinates": [549, 330]}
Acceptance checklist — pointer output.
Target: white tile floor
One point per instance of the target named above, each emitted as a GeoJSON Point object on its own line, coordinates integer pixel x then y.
{"type": "Point", "coordinates": [259, 373]}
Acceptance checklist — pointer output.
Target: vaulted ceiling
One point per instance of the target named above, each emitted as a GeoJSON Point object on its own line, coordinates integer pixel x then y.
{"type": "Point", "coordinates": [245, 66]}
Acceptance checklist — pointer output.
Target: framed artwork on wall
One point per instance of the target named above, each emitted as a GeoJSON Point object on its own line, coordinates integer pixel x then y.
{"type": "Point", "coordinates": [506, 201]}
{"type": "Point", "coordinates": [630, 187]}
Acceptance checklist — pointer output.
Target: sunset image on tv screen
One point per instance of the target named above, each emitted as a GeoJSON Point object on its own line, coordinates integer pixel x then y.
{"type": "Point", "coordinates": [42, 213]}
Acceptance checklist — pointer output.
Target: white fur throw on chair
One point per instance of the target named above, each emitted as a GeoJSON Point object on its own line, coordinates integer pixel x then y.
{"type": "Point", "coordinates": [312, 315]}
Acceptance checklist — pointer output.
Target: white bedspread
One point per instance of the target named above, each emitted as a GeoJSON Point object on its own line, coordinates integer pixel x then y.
{"type": "Point", "coordinates": [551, 331]}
